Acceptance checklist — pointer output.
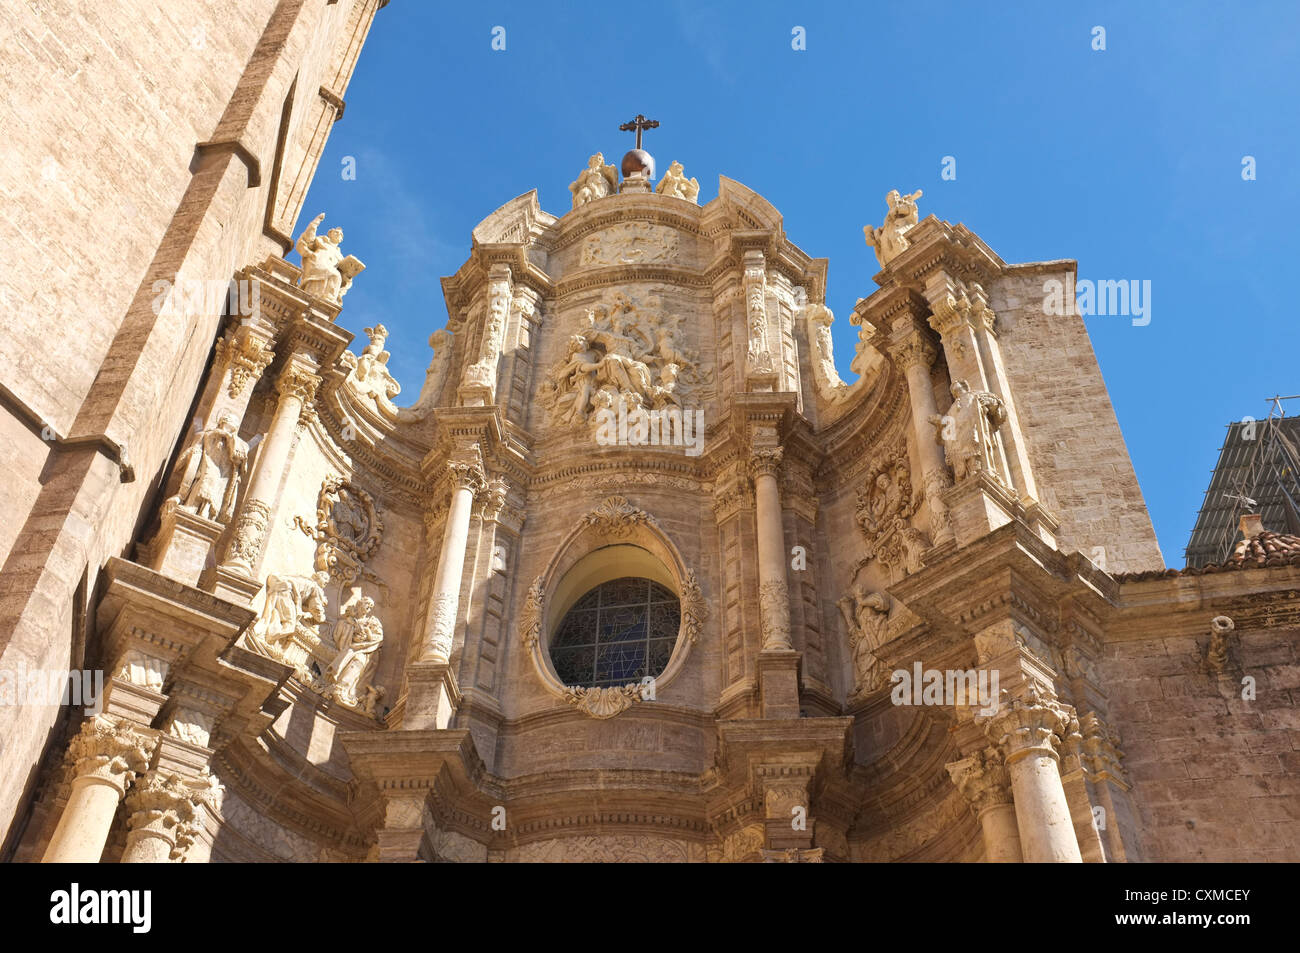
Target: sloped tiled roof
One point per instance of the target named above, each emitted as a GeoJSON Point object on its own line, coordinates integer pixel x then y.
{"type": "Point", "coordinates": [1262, 550]}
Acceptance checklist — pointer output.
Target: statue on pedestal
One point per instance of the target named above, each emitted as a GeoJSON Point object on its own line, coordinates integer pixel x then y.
{"type": "Point", "coordinates": [326, 273]}
{"type": "Point", "coordinates": [676, 185]}
{"type": "Point", "coordinates": [969, 431]}
{"type": "Point", "coordinates": [596, 181]}
{"type": "Point", "coordinates": [890, 239]}
{"type": "Point", "coordinates": [210, 469]}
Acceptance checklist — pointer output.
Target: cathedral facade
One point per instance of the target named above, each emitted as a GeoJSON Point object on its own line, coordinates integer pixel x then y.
{"type": "Point", "coordinates": [636, 576]}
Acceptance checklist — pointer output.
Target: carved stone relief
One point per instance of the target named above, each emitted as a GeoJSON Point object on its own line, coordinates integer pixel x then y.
{"type": "Point", "coordinates": [631, 243]}
{"type": "Point", "coordinates": [627, 351]}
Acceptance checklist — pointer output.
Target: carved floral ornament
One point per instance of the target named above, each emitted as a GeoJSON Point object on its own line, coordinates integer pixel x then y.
{"type": "Point", "coordinates": [614, 520]}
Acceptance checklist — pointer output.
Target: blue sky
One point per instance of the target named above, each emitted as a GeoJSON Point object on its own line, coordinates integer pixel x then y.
{"type": "Point", "coordinates": [1128, 160]}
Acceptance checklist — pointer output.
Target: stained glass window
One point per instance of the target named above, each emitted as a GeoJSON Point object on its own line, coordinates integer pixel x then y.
{"type": "Point", "coordinates": [618, 633]}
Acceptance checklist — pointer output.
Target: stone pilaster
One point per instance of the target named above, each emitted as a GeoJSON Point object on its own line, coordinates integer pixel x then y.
{"type": "Point", "coordinates": [760, 362]}
{"type": "Point", "coordinates": [478, 386]}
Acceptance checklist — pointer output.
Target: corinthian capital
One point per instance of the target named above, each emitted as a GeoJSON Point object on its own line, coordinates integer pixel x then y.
{"type": "Point", "coordinates": [110, 750]}
{"type": "Point", "coordinates": [158, 803]}
{"type": "Point", "coordinates": [298, 382]}
{"type": "Point", "coordinates": [913, 352]}
{"type": "Point", "coordinates": [1033, 724]}
{"type": "Point", "coordinates": [246, 355]}
{"type": "Point", "coordinates": [982, 779]}
{"type": "Point", "coordinates": [765, 461]}
{"type": "Point", "coordinates": [467, 471]}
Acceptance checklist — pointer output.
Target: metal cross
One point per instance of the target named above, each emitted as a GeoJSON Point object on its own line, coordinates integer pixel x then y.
{"type": "Point", "coordinates": [638, 124]}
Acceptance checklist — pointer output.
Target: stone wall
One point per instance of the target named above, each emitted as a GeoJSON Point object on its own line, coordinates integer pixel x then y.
{"type": "Point", "coordinates": [1078, 454]}
{"type": "Point", "coordinates": [1215, 776]}
{"type": "Point", "coordinates": [106, 154]}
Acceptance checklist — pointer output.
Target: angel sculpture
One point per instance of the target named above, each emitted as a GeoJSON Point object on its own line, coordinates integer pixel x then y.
{"type": "Point", "coordinates": [889, 240]}
{"type": "Point", "coordinates": [596, 181]}
{"type": "Point", "coordinates": [676, 185]}
{"type": "Point", "coordinates": [326, 273]}
{"type": "Point", "coordinates": [368, 375]}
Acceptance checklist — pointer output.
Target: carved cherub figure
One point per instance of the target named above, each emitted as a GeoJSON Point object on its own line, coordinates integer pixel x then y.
{"type": "Point", "coordinates": [369, 377]}
{"type": "Point", "coordinates": [595, 182]}
{"type": "Point", "coordinates": [675, 184]}
{"type": "Point", "coordinates": [890, 239]}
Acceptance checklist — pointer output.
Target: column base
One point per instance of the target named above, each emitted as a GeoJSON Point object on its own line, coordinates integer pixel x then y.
{"type": "Point", "coordinates": [778, 683]}
{"type": "Point", "coordinates": [432, 696]}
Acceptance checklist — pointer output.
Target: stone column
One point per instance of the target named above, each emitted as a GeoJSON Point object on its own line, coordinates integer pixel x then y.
{"type": "Point", "coordinates": [983, 780]}
{"type": "Point", "coordinates": [297, 388]}
{"type": "Point", "coordinates": [107, 755]}
{"type": "Point", "coordinates": [158, 804]}
{"type": "Point", "coordinates": [1026, 731]}
{"type": "Point", "coordinates": [773, 594]}
{"type": "Point", "coordinates": [167, 816]}
{"type": "Point", "coordinates": [468, 478]}
{"type": "Point", "coordinates": [915, 356]}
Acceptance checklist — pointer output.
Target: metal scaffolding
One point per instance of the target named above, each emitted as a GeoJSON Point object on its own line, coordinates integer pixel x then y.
{"type": "Point", "coordinates": [1258, 472]}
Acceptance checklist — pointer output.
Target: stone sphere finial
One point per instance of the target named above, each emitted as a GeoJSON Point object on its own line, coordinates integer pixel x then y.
{"type": "Point", "coordinates": [638, 162]}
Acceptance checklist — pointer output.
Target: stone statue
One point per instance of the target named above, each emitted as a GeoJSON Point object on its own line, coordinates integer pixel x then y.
{"type": "Point", "coordinates": [368, 376]}
{"type": "Point", "coordinates": [210, 470]}
{"type": "Point", "coordinates": [596, 181]}
{"type": "Point", "coordinates": [292, 602]}
{"type": "Point", "coordinates": [676, 185]}
{"type": "Point", "coordinates": [866, 614]}
{"type": "Point", "coordinates": [829, 386]}
{"type": "Point", "coordinates": [575, 379]}
{"type": "Point", "coordinates": [358, 636]}
{"type": "Point", "coordinates": [969, 431]}
{"type": "Point", "coordinates": [326, 273]}
{"type": "Point", "coordinates": [890, 239]}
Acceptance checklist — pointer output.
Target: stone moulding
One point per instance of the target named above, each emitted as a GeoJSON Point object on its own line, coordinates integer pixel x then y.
{"type": "Point", "coordinates": [614, 520]}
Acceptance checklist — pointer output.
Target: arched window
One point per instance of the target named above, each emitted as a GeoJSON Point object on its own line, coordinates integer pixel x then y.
{"type": "Point", "coordinates": [617, 633]}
